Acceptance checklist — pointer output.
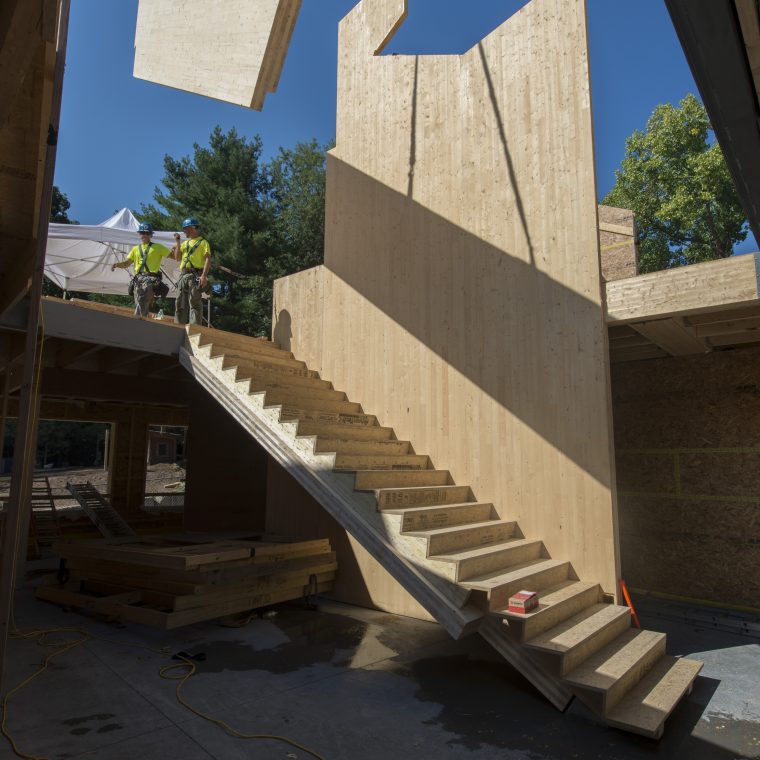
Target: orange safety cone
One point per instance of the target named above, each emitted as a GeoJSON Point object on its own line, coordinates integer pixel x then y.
{"type": "Point", "coordinates": [628, 601]}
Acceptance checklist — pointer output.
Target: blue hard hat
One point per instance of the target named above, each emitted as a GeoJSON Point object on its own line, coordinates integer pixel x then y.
{"type": "Point", "coordinates": [191, 221]}
{"type": "Point", "coordinates": [145, 227]}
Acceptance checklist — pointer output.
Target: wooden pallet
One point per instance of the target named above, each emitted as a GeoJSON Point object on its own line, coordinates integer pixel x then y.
{"type": "Point", "coordinates": [185, 579]}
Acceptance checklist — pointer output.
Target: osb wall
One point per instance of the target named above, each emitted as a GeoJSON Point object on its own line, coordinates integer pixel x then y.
{"type": "Point", "coordinates": [687, 437]}
{"type": "Point", "coordinates": [460, 299]}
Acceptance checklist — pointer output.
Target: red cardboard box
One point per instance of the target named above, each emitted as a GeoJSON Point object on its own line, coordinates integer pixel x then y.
{"type": "Point", "coordinates": [523, 601]}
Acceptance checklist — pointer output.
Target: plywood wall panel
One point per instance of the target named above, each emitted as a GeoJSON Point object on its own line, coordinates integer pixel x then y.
{"type": "Point", "coordinates": [461, 286]}
{"type": "Point", "coordinates": [233, 51]}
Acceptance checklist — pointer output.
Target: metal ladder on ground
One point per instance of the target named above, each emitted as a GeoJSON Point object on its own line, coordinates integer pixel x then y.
{"type": "Point", "coordinates": [46, 529]}
{"type": "Point", "coordinates": [105, 518]}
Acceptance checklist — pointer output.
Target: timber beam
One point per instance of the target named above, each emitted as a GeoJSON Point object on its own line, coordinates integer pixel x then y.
{"type": "Point", "coordinates": [75, 351]}
{"type": "Point", "coordinates": [92, 411]}
{"type": "Point", "coordinates": [673, 336]}
{"type": "Point", "coordinates": [100, 386]}
{"type": "Point", "coordinates": [732, 283]}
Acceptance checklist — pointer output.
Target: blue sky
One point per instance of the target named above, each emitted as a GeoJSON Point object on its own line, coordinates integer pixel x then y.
{"type": "Point", "coordinates": [115, 130]}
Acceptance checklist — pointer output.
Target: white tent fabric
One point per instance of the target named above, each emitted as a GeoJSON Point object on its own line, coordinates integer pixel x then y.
{"type": "Point", "coordinates": [79, 256]}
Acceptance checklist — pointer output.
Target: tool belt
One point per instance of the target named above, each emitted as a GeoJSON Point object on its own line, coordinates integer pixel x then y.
{"type": "Point", "coordinates": [197, 274]}
{"type": "Point", "coordinates": [160, 288]}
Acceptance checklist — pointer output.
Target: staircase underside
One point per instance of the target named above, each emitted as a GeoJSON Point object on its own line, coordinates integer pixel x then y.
{"type": "Point", "coordinates": [456, 556]}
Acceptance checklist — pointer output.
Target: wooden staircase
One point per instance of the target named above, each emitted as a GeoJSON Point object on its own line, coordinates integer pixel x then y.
{"type": "Point", "coordinates": [454, 554]}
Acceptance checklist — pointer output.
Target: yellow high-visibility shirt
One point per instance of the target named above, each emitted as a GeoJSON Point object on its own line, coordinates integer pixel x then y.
{"type": "Point", "coordinates": [154, 252]}
{"type": "Point", "coordinates": [194, 253]}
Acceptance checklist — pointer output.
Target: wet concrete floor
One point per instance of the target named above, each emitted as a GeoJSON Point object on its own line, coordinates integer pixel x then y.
{"type": "Point", "coordinates": [351, 684]}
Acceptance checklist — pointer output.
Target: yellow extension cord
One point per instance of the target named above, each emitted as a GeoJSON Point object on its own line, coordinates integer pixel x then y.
{"type": "Point", "coordinates": [168, 671]}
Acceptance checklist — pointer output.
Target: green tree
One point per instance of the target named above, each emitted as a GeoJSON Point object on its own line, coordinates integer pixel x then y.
{"type": "Point", "coordinates": [63, 444]}
{"type": "Point", "coordinates": [675, 179]}
{"type": "Point", "coordinates": [226, 187]}
{"type": "Point", "coordinates": [297, 196]}
{"type": "Point", "coordinates": [263, 220]}
{"type": "Point", "coordinates": [59, 207]}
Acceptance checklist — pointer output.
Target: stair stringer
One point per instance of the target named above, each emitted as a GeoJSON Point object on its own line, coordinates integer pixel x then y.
{"type": "Point", "coordinates": [493, 630]}
{"type": "Point", "coordinates": [354, 511]}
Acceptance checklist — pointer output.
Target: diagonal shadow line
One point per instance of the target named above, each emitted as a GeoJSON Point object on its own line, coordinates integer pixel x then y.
{"type": "Point", "coordinates": [413, 131]}
{"type": "Point", "coordinates": [507, 154]}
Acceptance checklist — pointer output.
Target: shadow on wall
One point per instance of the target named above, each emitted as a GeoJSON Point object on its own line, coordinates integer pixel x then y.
{"type": "Point", "coordinates": [282, 332]}
{"type": "Point", "coordinates": [532, 344]}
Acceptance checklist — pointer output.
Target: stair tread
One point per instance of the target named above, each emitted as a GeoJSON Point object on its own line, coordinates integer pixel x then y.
{"type": "Point", "coordinates": [430, 507]}
{"type": "Point", "coordinates": [551, 597]}
{"type": "Point", "coordinates": [345, 431]}
{"type": "Point", "coordinates": [449, 528]}
{"type": "Point", "coordinates": [493, 580]}
{"type": "Point", "coordinates": [577, 629]}
{"type": "Point", "coordinates": [421, 488]}
{"type": "Point", "coordinates": [363, 474]}
{"type": "Point", "coordinates": [333, 440]}
{"type": "Point", "coordinates": [609, 664]}
{"type": "Point", "coordinates": [644, 709]}
{"type": "Point", "coordinates": [296, 407]}
{"type": "Point", "coordinates": [392, 457]}
{"type": "Point", "coordinates": [348, 418]}
{"type": "Point", "coordinates": [286, 398]}
{"type": "Point", "coordinates": [486, 549]}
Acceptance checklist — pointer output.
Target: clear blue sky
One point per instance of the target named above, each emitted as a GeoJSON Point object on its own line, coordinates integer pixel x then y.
{"type": "Point", "coordinates": [115, 130]}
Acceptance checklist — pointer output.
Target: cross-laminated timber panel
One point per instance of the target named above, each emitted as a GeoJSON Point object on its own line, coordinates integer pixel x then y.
{"type": "Point", "coordinates": [235, 50]}
{"type": "Point", "coordinates": [461, 294]}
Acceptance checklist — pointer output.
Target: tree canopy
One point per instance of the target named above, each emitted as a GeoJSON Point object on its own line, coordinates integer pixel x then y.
{"type": "Point", "coordinates": [59, 207]}
{"type": "Point", "coordinates": [675, 179]}
{"type": "Point", "coordinates": [263, 220]}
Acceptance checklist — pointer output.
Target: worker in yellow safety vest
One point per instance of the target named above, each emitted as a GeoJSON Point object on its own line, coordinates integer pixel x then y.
{"type": "Point", "coordinates": [146, 259]}
{"type": "Point", "coordinates": [194, 256]}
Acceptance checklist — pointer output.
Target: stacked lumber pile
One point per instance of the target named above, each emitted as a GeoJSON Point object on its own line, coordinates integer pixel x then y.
{"type": "Point", "coordinates": [171, 581]}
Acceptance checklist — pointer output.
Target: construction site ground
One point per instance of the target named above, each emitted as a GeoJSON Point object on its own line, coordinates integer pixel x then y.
{"type": "Point", "coordinates": [157, 478]}
{"type": "Point", "coordinates": [355, 684]}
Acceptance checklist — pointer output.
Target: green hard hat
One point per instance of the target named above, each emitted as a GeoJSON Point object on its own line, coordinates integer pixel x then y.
{"type": "Point", "coordinates": [145, 227]}
{"type": "Point", "coordinates": [191, 221]}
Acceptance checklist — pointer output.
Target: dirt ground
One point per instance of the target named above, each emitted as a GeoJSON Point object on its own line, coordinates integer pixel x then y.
{"type": "Point", "coordinates": [158, 477]}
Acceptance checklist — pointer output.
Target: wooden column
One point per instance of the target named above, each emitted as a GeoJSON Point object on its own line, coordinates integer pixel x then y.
{"type": "Point", "coordinates": [128, 459]}
{"type": "Point", "coordinates": [23, 459]}
{"type": "Point", "coordinates": [4, 407]}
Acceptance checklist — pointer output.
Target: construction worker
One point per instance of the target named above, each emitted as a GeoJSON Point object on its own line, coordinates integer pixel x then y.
{"type": "Point", "coordinates": [146, 259]}
{"type": "Point", "coordinates": [194, 256]}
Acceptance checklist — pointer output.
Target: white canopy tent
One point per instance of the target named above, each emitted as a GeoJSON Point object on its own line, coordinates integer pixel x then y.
{"type": "Point", "coordinates": [79, 256]}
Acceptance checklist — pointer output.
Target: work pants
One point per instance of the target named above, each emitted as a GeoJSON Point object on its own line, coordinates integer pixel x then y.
{"type": "Point", "coordinates": [189, 300]}
{"type": "Point", "coordinates": [144, 294]}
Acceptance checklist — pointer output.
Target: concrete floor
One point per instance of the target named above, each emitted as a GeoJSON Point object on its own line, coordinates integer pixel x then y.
{"type": "Point", "coordinates": [352, 684]}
